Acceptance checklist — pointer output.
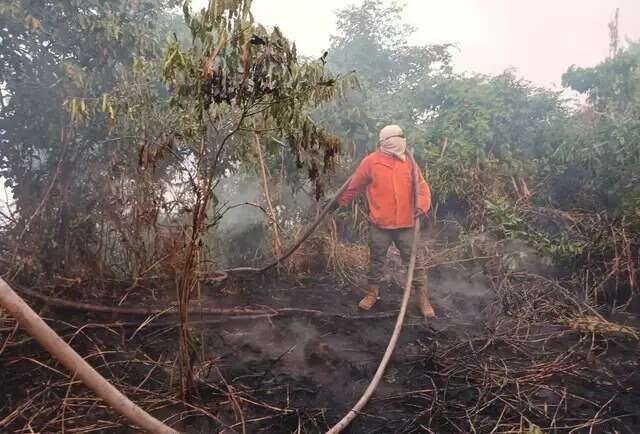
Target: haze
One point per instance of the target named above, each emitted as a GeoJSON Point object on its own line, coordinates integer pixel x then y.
{"type": "Point", "coordinates": [541, 39]}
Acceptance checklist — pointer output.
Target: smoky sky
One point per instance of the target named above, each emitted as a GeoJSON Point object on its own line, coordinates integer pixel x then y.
{"type": "Point", "coordinates": [539, 38]}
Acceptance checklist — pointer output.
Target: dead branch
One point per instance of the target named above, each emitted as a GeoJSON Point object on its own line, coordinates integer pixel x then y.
{"type": "Point", "coordinates": [277, 244]}
{"type": "Point", "coordinates": [244, 312]}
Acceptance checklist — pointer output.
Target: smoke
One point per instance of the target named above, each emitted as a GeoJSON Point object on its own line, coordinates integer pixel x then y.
{"type": "Point", "coordinates": [461, 295]}
{"type": "Point", "coordinates": [518, 256]}
{"type": "Point", "coordinates": [239, 193]}
{"type": "Point", "coordinates": [465, 293]}
{"type": "Point", "coordinates": [289, 346]}
{"type": "Point", "coordinates": [244, 232]}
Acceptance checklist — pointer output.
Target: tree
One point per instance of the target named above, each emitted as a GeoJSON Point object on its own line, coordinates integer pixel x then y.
{"type": "Point", "coordinates": [147, 134]}
{"type": "Point", "coordinates": [475, 122]}
{"type": "Point", "coordinates": [372, 40]}
{"type": "Point", "coordinates": [195, 116]}
{"type": "Point", "coordinates": [53, 51]}
{"type": "Point", "coordinates": [609, 141]}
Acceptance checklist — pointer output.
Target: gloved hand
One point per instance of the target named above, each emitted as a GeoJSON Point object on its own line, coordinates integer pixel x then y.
{"type": "Point", "coordinates": [326, 201]}
{"type": "Point", "coordinates": [417, 213]}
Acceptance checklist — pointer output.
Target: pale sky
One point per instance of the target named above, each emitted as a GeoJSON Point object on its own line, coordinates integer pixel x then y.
{"type": "Point", "coordinates": [540, 38]}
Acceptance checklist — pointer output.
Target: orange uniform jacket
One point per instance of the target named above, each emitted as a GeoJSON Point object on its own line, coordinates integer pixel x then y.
{"type": "Point", "coordinates": [388, 184]}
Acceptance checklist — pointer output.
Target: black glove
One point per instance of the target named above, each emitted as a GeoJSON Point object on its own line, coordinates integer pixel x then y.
{"type": "Point", "coordinates": [418, 214]}
{"type": "Point", "coordinates": [326, 202]}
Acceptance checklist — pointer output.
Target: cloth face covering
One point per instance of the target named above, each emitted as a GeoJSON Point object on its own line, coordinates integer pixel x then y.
{"type": "Point", "coordinates": [392, 142]}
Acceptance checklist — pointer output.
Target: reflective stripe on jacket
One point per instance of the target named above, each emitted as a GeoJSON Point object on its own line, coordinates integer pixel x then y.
{"type": "Point", "coordinates": [388, 184]}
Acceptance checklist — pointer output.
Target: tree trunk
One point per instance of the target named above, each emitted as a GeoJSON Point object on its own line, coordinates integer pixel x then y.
{"type": "Point", "coordinates": [277, 245]}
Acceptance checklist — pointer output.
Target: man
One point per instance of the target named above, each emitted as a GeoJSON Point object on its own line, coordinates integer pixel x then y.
{"type": "Point", "coordinates": [386, 177]}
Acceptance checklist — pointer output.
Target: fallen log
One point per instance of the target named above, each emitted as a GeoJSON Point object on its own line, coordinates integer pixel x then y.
{"type": "Point", "coordinates": [91, 307]}
{"type": "Point", "coordinates": [241, 312]}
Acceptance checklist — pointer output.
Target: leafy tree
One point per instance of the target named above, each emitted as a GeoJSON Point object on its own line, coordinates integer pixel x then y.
{"type": "Point", "coordinates": [146, 133]}
{"type": "Point", "coordinates": [52, 51]}
{"type": "Point", "coordinates": [610, 85]}
{"type": "Point", "coordinates": [478, 122]}
{"type": "Point", "coordinates": [372, 40]}
{"type": "Point", "coordinates": [608, 144]}
{"type": "Point", "coordinates": [194, 117]}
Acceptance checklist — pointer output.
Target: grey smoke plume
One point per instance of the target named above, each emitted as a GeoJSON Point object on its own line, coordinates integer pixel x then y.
{"type": "Point", "coordinates": [244, 233]}
{"type": "Point", "coordinates": [234, 192]}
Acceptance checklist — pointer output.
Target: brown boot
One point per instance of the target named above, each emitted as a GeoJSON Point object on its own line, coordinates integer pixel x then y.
{"type": "Point", "coordinates": [423, 304]}
{"type": "Point", "coordinates": [371, 298]}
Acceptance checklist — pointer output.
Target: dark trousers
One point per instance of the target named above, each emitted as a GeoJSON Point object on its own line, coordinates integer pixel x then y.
{"type": "Point", "coordinates": [379, 242]}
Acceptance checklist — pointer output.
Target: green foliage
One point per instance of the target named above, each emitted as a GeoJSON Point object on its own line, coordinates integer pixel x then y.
{"type": "Point", "coordinates": [113, 126]}
{"type": "Point", "coordinates": [501, 116]}
{"type": "Point", "coordinates": [608, 142]}
{"type": "Point", "coordinates": [507, 221]}
{"type": "Point", "coordinates": [372, 40]}
{"type": "Point", "coordinates": [236, 71]}
{"type": "Point", "coordinates": [564, 250]}
{"type": "Point", "coordinates": [158, 108]}
{"type": "Point", "coordinates": [51, 53]}
{"type": "Point", "coordinates": [504, 219]}
{"type": "Point", "coordinates": [487, 122]}
{"type": "Point", "coordinates": [612, 84]}
{"type": "Point", "coordinates": [493, 147]}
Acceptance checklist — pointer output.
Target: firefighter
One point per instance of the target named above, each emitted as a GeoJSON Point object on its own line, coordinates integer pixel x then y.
{"type": "Point", "coordinates": [386, 176]}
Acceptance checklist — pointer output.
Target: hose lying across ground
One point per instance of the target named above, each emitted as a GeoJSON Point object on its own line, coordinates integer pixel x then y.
{"type": "Point", "coordinates": [391, 346]}
{"type": "Point", "coordinates": [57, 347]}
{"type": "Point", "coordinates": [349, 417]}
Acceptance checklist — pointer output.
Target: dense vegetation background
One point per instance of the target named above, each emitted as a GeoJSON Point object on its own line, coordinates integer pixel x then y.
{"type": "Point", "coordinates": [105, 107]}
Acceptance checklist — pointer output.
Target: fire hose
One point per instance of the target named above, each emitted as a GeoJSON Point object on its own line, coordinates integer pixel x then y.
{"type": "Point", "coordinates": [391, 346]}
{"type": "Point", "coordinates": [307, 232]}
{"type": "Point", "coordinates": [353, 413]}
{"type": "Point", "coordinates": [57, 347]}
{"type": "Point", "coordinates": [364, 399]}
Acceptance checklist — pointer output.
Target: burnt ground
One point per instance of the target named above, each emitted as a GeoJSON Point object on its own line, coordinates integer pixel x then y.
{"type": "Point", "coordinates": [494, 361]}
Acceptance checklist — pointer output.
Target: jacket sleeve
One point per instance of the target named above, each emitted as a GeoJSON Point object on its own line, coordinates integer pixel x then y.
{"type": "Point", "coordinates": [358, 184]}
{"type": "Point", "coordinates": [424, 193]}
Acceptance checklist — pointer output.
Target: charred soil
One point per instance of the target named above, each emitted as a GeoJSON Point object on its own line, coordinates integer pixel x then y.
{"type": "Point", "coordinates": [491, 362]}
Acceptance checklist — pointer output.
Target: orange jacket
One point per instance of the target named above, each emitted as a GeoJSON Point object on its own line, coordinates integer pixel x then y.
{"type": "Point", "coordinates": [388, 184]}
